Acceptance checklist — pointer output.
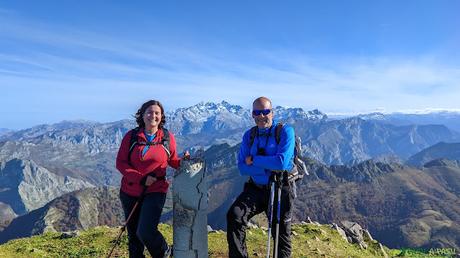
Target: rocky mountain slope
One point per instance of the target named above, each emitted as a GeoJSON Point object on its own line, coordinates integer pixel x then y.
{"type": "Point", "coordinates": [354, 140]}
{"type": "Point", "coordinates": [84, 150]}
{"type": "Point", "coordinates": [78, 210]}
{"type": "Point", "coordinates": [437, 151]}
{"type": "Point", "coordinates": [400, 205]}
{"type": "Point", "coordinates": [25, 186]}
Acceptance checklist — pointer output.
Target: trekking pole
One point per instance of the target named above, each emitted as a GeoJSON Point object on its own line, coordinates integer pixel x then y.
{"type": "Point", "coordinates": [278, 214]}
{"type": "Point", "coordinates": [270, 215]}
{"type": "Point", "coordinates": [123, 228]}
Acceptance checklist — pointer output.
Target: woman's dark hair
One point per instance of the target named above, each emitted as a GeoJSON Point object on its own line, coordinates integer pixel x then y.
{"type": "Point", "coordinates": [139, 114]}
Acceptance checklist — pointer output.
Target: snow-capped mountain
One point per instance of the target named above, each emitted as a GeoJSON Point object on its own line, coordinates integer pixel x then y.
{"type": "Point", "coordinates": [373, 116]}
{"type": "Point", "coordinates": [290, 115]}
{"type": "Point", "coordinates": [208, 118]}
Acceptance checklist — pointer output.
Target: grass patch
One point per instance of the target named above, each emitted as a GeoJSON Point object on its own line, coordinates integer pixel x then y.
{"type": "Point", "coordinates": [309, 240]}
{"type": "Point", "coordinates": [422, 253]}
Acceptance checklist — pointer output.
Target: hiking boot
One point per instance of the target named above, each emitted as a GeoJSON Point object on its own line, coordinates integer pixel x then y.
{"type": "Point", "coordinates": [169, 252]}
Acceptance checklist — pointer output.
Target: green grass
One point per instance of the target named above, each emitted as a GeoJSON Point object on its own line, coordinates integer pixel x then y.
{"type": "Point", "coordinates": [308, 241]}
{"type": "Point", "coordinates": [420, 253]}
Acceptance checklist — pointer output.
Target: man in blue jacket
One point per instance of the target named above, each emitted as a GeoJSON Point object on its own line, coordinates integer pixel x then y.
{"type": "Point", "coordinates": [259, 161]}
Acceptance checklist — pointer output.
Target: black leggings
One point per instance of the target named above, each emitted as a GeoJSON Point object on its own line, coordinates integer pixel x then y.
{"type": "Point", "coordinates": [143, 225]}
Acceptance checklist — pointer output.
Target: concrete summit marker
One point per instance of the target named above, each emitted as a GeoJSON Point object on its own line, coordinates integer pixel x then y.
{"type": "Point", "coordinates": [190, 202]}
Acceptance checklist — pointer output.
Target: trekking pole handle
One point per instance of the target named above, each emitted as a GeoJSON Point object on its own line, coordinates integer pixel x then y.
{"type": "Point", "coordinates": [277, 176]}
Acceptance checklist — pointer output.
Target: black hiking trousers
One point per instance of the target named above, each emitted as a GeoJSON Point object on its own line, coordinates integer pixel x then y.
{"type": "Point", "coordinates": [143, 226]}
{"type": "Point", "coordinates": [254, 200]}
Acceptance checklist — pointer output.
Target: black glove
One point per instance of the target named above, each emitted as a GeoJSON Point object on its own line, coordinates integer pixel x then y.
{"type": "Point", "coordinates": [276, 176]}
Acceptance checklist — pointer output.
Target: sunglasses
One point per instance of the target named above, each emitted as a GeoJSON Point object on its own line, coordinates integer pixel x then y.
{"type": "Point", "coordinates": [257, 112]}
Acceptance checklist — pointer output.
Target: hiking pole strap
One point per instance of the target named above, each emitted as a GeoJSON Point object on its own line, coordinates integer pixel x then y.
{"type": "Point", "coordinates": [270, 215]}
{"type": "Point", "coordinates": [278, 218]}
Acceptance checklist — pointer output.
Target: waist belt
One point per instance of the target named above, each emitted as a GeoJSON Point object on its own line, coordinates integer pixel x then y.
{"type": "Point", "coordinates": [259, 186]}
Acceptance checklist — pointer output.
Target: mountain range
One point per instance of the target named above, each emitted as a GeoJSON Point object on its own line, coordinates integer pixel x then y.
{"type": "Point", "coordinates": [449, 118]}
{"type": "Point", "coordinates": [343, 141]}
{"type": "Point", "coordinates": [82, 209]}
{"type": "Point", "coordinates": [357, 167]}
{"type": "Point", "coordinates": [400, 205]}
{"type": "Point", "coordinates": [440, 150]}
{"type": "Point", "coordinates": [25, 186]}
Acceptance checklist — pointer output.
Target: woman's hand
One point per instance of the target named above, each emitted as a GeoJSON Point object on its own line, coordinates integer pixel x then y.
{"type": "Point", "coordinates": [150, 180]}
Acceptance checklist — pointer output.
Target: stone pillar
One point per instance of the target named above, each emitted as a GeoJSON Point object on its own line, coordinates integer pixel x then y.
{"type": "Point", "coordinates": [190, 202]}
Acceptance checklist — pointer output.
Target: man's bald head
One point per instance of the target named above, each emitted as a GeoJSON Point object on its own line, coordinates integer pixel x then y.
{"type": "Point", "coordinates": [262, 103]}
{"type": "Point", "coordinates": [262, 120]}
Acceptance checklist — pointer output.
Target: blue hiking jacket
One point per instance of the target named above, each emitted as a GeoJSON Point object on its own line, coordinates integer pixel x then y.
{"type": "Point", "coordinates": [277, 156]}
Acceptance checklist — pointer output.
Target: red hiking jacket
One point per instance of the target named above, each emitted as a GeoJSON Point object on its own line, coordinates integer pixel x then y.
{"type": "Point", "coordinates": [155, 160]}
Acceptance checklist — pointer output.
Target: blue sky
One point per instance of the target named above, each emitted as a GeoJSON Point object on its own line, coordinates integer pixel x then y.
{"type": "Point", "coordinates": [99, 60]}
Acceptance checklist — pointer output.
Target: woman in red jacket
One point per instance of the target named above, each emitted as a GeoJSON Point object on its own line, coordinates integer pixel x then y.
{"type": "Point", "coordinates": [144, 166]}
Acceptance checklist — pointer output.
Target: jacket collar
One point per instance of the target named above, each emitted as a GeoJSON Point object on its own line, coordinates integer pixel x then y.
{"type": "Point", "coordinates": [141, 134]}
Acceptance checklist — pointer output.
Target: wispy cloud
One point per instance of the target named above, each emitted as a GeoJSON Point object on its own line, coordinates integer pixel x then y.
{"type": "Point", "coordinates": [87, 68]}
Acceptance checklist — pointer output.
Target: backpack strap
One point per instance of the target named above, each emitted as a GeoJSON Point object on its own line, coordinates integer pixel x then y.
{"type": "Point", "coordinates": [134, 141]}
{"type": "Point", "coordinates": [278, 129]}
{"type": "Point", "coordinates": [252, 135]}
{"type": "Point", "coordinates": [165, 142]}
